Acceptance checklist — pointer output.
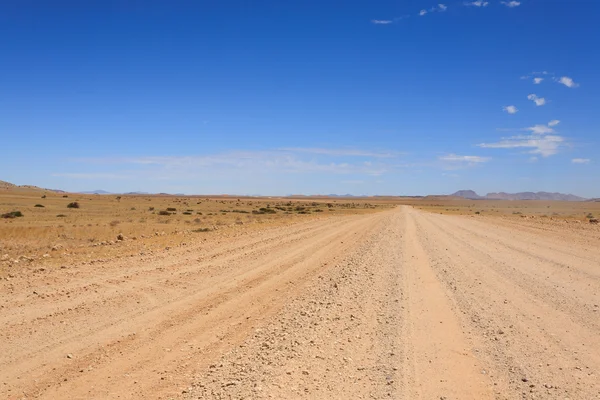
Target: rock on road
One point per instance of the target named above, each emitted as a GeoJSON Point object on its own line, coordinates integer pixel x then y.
{"type": "Point", "coordinates": [400, 304]}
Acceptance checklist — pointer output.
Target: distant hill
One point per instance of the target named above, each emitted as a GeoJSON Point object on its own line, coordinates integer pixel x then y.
{"type": "Point", "coordinates": [471, 195]}
{"type": "Point", "coordinates": [7, 185]}
{"type": "Point", "coordinates": [467, 194]}
{"type": "Point", "coordinates": [96, 192]}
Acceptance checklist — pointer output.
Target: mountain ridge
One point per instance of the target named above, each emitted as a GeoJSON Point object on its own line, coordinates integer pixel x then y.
{"type": "Point", "coordinates": [554, 196]}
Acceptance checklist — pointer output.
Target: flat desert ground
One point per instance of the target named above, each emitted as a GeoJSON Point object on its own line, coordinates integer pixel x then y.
{"type": "Point", "coordinates": [329, 298]}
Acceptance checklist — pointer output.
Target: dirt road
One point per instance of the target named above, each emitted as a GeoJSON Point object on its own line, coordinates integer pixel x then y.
{"type": "Point", "coordinates": [397, 304]}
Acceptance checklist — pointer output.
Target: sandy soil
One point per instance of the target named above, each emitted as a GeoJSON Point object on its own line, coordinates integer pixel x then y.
{"type": "Point", "coordinates": [395, 304]}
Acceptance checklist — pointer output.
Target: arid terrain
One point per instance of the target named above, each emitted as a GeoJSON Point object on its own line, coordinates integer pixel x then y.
{"type": "Point", "coordinates": [321, 298]}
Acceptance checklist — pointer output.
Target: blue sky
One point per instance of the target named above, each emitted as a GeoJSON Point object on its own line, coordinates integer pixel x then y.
{"type": "Point", "coordinates": [278, 97]}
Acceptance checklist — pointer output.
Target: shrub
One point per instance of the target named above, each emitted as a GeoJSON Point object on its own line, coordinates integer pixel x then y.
{"type": "Point", "coordinates": [132, 209]}
{"type": "Point", "coordinates": [44, 196]}
{"type": "Point", "coordinates": [150, 208]}
{"type": "Point", "coordinates": [163, 212]}
{"type": "Point", "coordinates": [65, 196]}
{"type": "Point", "coordinates": [171, 209]}
{"type": "Point", "coordinates": [187, 213]}
{"type": "Point", "coordinates": [590, 215]}
{"type": "Point", "coordinates": [477, 212]}
{"type": "Point", "coordinates": [73, 205]}
{"type": "Point", "coordinates": [39, 205]}
{"type": "Point", "coordinates": [114, 223]}
{"type": "Point", "coordinates": [61, 216]}
{"type": "Point", "coordinates": [12, 214]}
{"type": "Point", "coordinates": [202, 230]}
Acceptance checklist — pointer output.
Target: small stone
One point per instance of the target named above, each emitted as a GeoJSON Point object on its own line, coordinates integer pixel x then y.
{"type": "Point", "coordinates": [120, 236]}
{"type": "Point", "coordinates": [69, 355]}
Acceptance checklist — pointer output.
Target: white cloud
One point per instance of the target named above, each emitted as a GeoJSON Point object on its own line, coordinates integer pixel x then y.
{"type": "Point", "coordinates": [580, 161]}
{"type": "Point", "coordinates": [233, 164]}
{"type": "Point", "coordinates": [478, 3]}
{"type": "Point", "coordinates": [510, 109]}
{"type": "Point", "coordinates": [91, 175]}
{"type": "Point", "coordinates": [464, 159]}
{"type": "Point", "coordinates": [343, 152]}
{"type": "Point", "coordinates": [540, 129]}
{"type": "Point", "coordinates": [539, 101]}
{"type": "Point", "coordinates": [537, 81]}
{"type": "Point", "coordinates": [422, 12]}
{"type": "Point", "coordinates": [381, 21]}
{"type": "Point", "coordinates": [542, 141]}
{"type": "Point", "coordinates": [511, 4]}
{"type": "Point", "coordinates": [442, 7]}
{"type": "Point", "coordinates": [568, 82]}
{"type": "Point", "coordinates": [543, 145]}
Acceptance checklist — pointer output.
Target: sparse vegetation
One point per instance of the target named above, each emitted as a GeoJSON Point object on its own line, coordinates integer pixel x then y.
{"type": "Point", "coordinates": [61, 216]}
{"type": "Point", "coordinates": [73, 205]}
{"type": "Point", "coordinates": [171, 209]}
{"type": "Point", "coordinates": [39, 205]}
{"type": "Point", "coordinates": [202, 230]}
{"type": "Point", "coordinates": [163, 212]}
{"type": "Point", "coordinates": [12, 214]}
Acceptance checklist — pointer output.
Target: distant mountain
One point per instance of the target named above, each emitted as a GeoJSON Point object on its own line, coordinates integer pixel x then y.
{"type": "Point", "coordinates": [96, 192]}
{"type": "Point", "coordinates": [136, 193]}
{"type": "Point", "coordinates": [467, 194]}
{"type": "Point", "coordinates": [471, 195]}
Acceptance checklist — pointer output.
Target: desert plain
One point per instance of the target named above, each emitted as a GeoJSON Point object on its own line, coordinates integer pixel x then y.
{"type": "Point", "coordinates": [227, 297]}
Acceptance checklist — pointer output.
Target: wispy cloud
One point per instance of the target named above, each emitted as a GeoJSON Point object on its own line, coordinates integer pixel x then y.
{"type": "Point", "coordinates": [568, 82]}
{"type": "Point", "coordinates": [543, 145]}
{"type": "Point", "coordinates": [537, 81]}
{"type": "Point", "coordinates": [511, 4]}
{"type": "Point", "coordinates": [539, 101]}
{"type": "Point", "coordinates": [554, 122]}
{"type": "Point", "coordinates": [234, 163]}
{"type": "Point", "coordinates": [437, 8]}
{"type": "Point", "coordinates": [510, 109]}
{"type": "Point", "coordinates": [91, 175]}
{"type": "Point", "coordinates": [454, 158]}
{"type": "Point", "coordinates": [543, 140]}
{"type": "Point", "coordinates": [540, 129]}
{"type": "Point", "coordinates": [478, 3]}
{"type": "Point", "coordinates": [343, 152]}
{"type": "Point", "coordinates": [382, 21]}
{"type": "Point", "coordinates": [580, 161]}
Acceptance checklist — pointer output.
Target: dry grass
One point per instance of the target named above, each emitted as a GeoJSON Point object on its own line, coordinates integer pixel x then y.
{"type": "Point", "coordinates": [59, 235]}
{"type": "Point", "coordinates": [537, 209]}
